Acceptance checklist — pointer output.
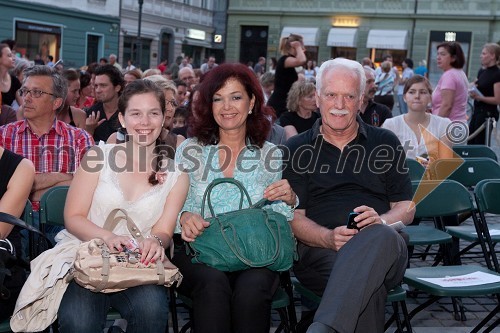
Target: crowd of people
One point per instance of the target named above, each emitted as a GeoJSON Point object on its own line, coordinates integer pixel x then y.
{"type": "Point", "coordinates": [225, 120]}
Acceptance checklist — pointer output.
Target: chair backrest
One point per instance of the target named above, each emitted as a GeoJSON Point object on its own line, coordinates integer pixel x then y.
{"type": "Point", "coordinates": [487, 194]}
{"type": "Point", "coordinates": [440, 198]}
{"type": "Point", "coordinates": [28, 213]}
{"type": "Point", "coordinates": [475, 151]}
{"type": "Point", "coordinates": [415, 169]}
{"type": "Point", "coordinates": [469, 172]}
{"type": "Point", "coordinates": [52, 205]}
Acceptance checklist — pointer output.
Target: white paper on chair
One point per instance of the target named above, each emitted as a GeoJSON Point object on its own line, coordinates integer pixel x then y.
{"type": "Point", "coordinates": [493, 232]}
{"type": "Point", "coordinates": [472, 279]}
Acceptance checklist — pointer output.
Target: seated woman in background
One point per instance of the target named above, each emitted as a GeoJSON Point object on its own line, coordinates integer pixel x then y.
{"type": "Point", "coordinates": [301, 104]}
{"type": "Point", "coordinates": [86, 97]}
{"type": "Point", "coordinates": [69, 113]}
{"type": "Point", "coordinates": [421, 133]}
{"type": "Point", "coordinates": [229, 130]}
{"type": "Point", "coordinates": [16, 180]}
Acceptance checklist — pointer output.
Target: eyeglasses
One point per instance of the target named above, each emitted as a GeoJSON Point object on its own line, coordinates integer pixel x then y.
{"type": "Point", "coordinates": [35, 93]}
{"type": "Point", "coordinates": [173, 103]}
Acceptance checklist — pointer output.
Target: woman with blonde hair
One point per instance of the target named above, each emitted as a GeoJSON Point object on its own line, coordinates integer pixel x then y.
{"type": "Point", "coordinates": [301, 104]}
{"type": "Point", "coordinates": [385, 85]}
{"type": "Point", "coordinates": [293, 55]}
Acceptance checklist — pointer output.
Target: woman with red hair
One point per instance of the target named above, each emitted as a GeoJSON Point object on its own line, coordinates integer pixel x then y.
{"type": "Point", "coordinates": [229, 129]}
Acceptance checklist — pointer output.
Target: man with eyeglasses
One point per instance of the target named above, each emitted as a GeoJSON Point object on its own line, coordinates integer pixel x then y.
{"type": "Point", "coordinates": [344, 169]}
{"type": "Point", "coordinates": [102, 117]}
{"type": "Point", "coordinates": [54, 147]}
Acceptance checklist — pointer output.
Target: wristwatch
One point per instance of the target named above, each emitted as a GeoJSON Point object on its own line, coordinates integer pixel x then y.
{"type": "Point", "coordinates": [384, 222]}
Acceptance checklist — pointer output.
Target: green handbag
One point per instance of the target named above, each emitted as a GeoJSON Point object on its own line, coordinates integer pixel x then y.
{"type": "Point", "coordinates": [245, 238]}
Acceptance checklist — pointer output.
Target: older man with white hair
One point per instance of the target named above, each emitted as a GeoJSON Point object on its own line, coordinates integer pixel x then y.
{"type": "Point", "coordinates": [343, 169]}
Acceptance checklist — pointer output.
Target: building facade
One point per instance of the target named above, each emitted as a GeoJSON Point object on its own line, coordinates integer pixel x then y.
{"type": "Point", "coordinates": [363, 28]}
{"type": "Point", "coordinates": [67, 30]}
{"type": "Point", "coordinates": [195, 28]}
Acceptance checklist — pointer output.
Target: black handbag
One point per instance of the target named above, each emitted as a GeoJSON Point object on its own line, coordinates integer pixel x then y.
{"type": "Point", "coordinates": [245, 238]}
{"type": "Point", "coordinates": [11, 265]}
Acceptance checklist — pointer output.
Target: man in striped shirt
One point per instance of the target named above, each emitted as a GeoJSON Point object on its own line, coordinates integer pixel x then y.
{"type": "Point", "coordinates": [54, 147]}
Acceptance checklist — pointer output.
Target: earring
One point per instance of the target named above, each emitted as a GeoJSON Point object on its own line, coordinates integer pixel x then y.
{"type": "Point", "coordinates": [250, 111]}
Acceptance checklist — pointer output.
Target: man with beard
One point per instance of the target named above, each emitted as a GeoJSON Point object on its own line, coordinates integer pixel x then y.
{"type": "Point", "coordinates": [371, 112]}
{"type": "Point", "coordinates": [102, 117]}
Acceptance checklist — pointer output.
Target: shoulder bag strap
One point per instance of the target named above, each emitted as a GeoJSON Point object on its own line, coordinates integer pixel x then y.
{"type": "Point", "coordinates": [10, 219]}
{"type": "Point", "coordinates": [112, 221]}
{"type": "Point", "coordinates": [218, 181]}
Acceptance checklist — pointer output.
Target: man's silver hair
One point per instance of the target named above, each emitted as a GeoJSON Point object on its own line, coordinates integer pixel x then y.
{"type": "Point", "coordinates": [353, 66]}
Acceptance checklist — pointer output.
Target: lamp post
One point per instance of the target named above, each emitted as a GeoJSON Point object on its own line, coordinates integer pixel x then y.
{"type": "Point", "coordinates": [139, 41]}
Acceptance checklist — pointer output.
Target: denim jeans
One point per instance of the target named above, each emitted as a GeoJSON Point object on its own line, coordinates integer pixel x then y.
{"type": "Point", "coordinates": [403, 107]}
{"type": "Point", "coordinates": [144, 307]}
{"type": "Point", "coordinates": [50, 230]}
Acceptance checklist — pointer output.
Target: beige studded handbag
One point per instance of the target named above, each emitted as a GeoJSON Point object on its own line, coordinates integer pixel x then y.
{"type": "Point", "coordinates": [99, 270]}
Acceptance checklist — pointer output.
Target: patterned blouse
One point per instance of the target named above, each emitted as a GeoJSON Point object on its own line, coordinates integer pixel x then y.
{"type": "Point", "coordinates": [255, 169]}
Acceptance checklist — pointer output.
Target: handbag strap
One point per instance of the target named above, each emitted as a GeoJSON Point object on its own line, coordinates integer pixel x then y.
{"type": "Point", "coordinates": [112, 221]}
{"type": "Point", "coordinates": [106, 267]}
{"type": "Point", "coordinates": [10, 219]}
{"type": "Point", "coordinates": [218, 181]}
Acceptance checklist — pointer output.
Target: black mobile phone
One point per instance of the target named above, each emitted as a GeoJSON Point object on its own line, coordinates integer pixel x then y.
{"type": "Point", "coordinates": [351, 224]}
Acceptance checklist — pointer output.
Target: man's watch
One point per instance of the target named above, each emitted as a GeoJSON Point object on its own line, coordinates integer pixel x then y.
{"type": "Point", "coordinates": [384, 222]}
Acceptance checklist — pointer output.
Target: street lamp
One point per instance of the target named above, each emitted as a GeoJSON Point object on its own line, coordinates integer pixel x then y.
{"type": "Point", "coordinates": [139, 42]}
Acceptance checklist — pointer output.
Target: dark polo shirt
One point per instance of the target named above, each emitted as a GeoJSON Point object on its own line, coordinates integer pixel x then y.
{"type": "Point", "coordinates": [108, 127]}
{"type": "Point", "coordinates": [330, 183]}
{"type": "Point", "coordinates": [375, 114]}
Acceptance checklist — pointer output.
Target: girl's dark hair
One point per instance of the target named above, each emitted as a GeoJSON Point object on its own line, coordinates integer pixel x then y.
{"type": "Point", "coordinates": [139, 87]}
{"type": "Point", "coordinates": [205, 128]}
{"type": "Point", "coordinates": [456, 52]}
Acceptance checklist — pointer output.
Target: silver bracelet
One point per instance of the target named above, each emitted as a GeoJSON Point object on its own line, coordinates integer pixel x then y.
{"type": "Point", "coordinates": [157, 238]}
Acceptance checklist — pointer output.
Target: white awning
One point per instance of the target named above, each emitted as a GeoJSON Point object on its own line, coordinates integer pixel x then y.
{"type": "Point", "coordinates": [344, 37]}
{"type": "Point", "coordinates": [200, 43]}
{"type": "Point", "coordinates": [387, 39]}
{"type": "Point", "coordinates": [311, 35]}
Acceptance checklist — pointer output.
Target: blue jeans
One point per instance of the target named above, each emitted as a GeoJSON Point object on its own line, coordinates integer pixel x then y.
{"type": "Point", "coordinates": [144, 307]}
{"type": "Point", "coordinates": [50, 231]}
{"type": "Point", "coordinates": [403, 107]}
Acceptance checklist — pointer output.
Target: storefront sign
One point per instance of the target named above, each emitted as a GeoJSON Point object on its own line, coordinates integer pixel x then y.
{"type": "Point", "coordinates": [195, 34]}
{"type": "Point", "coordinates": [38, 27]}
{"type": "Point", "coordinates": [344, 21]}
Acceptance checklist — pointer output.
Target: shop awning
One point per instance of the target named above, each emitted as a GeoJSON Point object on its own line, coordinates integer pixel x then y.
{"type": "Point", "coordinates": [196, 42]}
{"type": "Point", "coordinates": [387, 39]}
{"type": "Point", "coordinates": [311, 35]}
{"type": "Point", "coordinates": [343, 37]}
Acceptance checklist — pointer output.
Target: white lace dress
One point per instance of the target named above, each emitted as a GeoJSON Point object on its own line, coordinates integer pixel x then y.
{"type": "Point", "coordinates": [108, 195]}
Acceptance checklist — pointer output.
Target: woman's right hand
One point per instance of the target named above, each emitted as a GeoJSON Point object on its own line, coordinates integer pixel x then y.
{"type": "Point", "coordinates": [116, 243]}
{"type": "Point", "coordinates": [192, 226]}
{"type": "Point", "coordinates": [296, 44]}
